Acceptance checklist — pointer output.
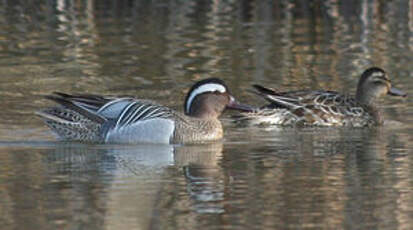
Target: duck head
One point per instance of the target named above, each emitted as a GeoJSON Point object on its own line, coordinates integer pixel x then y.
{"type": "Point", "coordinates": [373, 84]}
{"type": "Point", "coordinates": [209, 98]}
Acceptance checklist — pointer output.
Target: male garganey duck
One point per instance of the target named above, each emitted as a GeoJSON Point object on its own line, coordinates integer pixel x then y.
{"type": "Point", "coordinates": [107, 119]}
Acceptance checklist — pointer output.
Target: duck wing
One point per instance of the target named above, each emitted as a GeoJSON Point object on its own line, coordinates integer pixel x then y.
{"type": "Point", "coordinates": [312, 106]}
{"type": "Point", "coordinates": [90, 102]}
{"type": "Point", "coordinates": [140, 110]}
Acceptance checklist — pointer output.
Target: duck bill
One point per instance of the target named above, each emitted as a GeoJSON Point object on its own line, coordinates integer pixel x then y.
{"type": "Point", "coordinates": [235, 105]}
{"type": "Point", "coordinates": [396, 92]}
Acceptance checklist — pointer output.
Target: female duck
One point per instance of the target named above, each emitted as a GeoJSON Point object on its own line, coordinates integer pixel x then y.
{"type": "Point", "coordinates": [326, 108]}
{"type": "Point", "coordinates": [94, 118]}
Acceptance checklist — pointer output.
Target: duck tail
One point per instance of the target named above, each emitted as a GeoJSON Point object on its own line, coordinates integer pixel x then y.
{"type": "Point", "coordinates": [70, 121]}
{"type": "Point", "coordinates": [264, 90]}
{"type": "Point", "coordinates": [277, 99]}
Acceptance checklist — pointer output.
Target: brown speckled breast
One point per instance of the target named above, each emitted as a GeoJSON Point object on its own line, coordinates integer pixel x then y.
{"type": "Point", "coordinates": [192, 130]}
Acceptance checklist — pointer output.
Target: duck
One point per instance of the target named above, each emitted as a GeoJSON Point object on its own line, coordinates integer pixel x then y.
{"type": "Point", "coordinates": [323, 107]}
{"type": "Point", "coordinates": [128, 120]}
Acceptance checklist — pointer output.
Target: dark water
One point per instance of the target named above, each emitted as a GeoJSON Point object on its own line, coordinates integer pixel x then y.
{"type": "Point", "coordinates": [256, 178]}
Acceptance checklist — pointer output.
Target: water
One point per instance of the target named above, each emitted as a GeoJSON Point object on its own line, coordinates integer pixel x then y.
{"type": "Point", "coordinates": [257, 177]}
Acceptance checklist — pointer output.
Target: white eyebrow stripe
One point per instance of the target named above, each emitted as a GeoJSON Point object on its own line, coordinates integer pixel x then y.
{"type": "Point", "coordinates": [210, 87]}
{"type": "Point", "coordinates": [377, 74]}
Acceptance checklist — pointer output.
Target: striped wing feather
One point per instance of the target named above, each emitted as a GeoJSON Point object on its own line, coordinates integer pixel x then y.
{"type": "Point", "coordinates": [125, 110]}
{"type": "Point", "coordinates": [139, 111]}
{"type": "Point", "coordinates": [89, 102]}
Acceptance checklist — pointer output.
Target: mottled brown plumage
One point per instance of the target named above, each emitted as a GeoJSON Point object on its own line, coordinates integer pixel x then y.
{"type": "Point", "coordinates": [326, 108]}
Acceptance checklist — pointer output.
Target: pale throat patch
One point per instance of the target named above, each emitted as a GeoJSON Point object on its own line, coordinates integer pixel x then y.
{"type": "Point", "coordinates": [210, 87]}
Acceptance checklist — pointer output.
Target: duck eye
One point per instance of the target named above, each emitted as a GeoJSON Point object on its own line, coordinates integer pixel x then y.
{"type": "Point", "coordinates": [380, 82]}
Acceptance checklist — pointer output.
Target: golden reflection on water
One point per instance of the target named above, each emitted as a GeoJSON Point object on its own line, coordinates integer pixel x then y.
{"type": "Point", "coordinates": [256, 178]}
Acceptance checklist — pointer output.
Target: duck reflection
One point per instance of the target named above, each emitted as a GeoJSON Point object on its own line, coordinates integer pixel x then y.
{"type": "Point", "coordinates": [204, 180]}
{"type": "Point", "coordinates": [340, 176]}
{"type": "Point", "coordinates": [91, 186]}
{"type": "Point", "coordinates": [197, 187]}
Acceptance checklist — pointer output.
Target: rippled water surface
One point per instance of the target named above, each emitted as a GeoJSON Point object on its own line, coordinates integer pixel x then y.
{"type": "Point", "coordinates": [257, 177]}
